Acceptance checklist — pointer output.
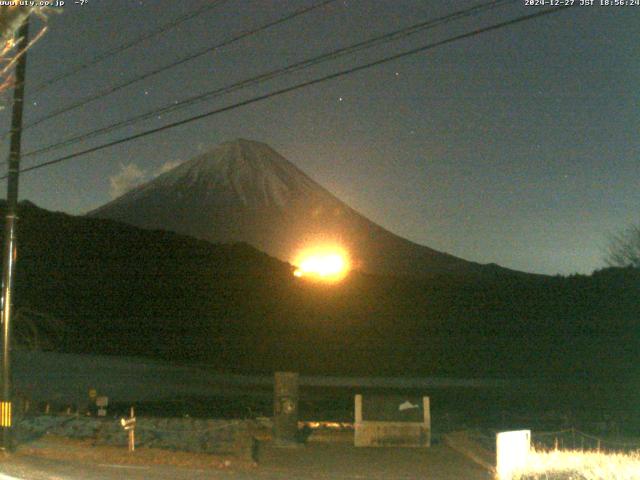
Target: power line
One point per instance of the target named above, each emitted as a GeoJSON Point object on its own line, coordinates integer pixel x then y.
{"type": "Point", "coordinates": [298, 86]}
{"type": "Point", "coordinates": [125, 46]}
{"type": "Point", "coordinates": [181, 61]}
{"type": "Point", "coordinates": [392, 36]}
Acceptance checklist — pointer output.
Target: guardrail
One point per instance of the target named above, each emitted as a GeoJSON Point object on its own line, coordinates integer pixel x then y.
{"type": "Point", "coordinates": [47, 376]}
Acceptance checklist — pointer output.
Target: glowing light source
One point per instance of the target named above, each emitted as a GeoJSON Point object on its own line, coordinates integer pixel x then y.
{"type": "Point", "coordinates": [512, 452]}
{"type": "Point", "coordinates": [326, 263]}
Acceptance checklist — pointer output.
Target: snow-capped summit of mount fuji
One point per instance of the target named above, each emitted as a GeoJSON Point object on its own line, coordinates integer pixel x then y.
{"type": "Point", "coordinates": [244, 191]}
{"type": "Point", "coordinates": [243, 171]}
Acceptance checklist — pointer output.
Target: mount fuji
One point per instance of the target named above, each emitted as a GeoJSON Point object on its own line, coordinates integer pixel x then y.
{"type": "Point", "coordinates": [244, 191]}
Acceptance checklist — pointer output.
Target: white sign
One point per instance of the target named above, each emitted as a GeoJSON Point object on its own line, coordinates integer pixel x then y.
{"type": "Point", "coordinates": [407, 406]}
{"type": "Point", "coordinates": [512, 450]}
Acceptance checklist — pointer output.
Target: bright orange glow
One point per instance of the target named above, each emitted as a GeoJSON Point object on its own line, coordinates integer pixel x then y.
{"type": "Point", "coordinates": [325, 263]}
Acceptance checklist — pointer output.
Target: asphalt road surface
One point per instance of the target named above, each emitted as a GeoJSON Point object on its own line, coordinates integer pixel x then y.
{"type": "Point", "coordinates": [320, 461]}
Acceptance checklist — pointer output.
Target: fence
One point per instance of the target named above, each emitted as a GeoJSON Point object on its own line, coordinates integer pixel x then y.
{"type": "Point", "coordinates": [565, 439]}
{"type": "Point", "coordinates": [574, 439]}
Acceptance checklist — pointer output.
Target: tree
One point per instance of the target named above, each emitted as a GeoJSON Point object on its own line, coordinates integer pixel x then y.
{"type": "Point", "coordinates": [11, 17]}
{"type": "Point", "coordinates": [624, 248]}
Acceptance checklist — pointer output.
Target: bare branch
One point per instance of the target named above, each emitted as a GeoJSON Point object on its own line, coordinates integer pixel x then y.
{"type": "Point", "coordinates": [11, 17]}
{"type": "Point", "coordinates": [624, 248]}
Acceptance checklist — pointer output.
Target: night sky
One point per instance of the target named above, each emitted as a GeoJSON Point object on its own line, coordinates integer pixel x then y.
{"type": "Point", "coordinates": [519, 146]}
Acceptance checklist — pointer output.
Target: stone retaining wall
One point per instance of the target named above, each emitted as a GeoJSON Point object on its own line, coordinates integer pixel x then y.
{"type": "Point", "coordinates": [228, 437]}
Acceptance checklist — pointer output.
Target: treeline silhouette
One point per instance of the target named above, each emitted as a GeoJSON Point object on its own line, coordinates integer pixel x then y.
{"type": "Point", "coordinates": [116, 289]}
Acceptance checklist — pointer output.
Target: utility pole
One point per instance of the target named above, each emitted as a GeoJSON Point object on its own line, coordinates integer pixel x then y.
{"type": "Point", "coordinates": [9, 254]}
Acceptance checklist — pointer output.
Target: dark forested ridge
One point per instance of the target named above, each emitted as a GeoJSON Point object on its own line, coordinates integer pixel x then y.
{"type": "Point", "coordinates": [115, 289]}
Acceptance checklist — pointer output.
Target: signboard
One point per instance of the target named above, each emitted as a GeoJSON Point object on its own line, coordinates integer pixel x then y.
{"type": "Point", "coordinates": [512, 451]}
{"type": "Point", "coordinates": [285, 409]}
{"type": "Point", "coordinates": [392, 408]}
{"type": "Point", "coordinates": [392, 420]}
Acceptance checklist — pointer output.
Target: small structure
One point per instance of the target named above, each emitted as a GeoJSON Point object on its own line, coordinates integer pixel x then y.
{"type": "Point", "coordinates": [392, 421]}
{"type": "Point", "coordinates": [102, 403]}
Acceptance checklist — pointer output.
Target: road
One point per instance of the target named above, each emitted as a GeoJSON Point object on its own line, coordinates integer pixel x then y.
{"type": "Point", "coordinates": [319, 461]}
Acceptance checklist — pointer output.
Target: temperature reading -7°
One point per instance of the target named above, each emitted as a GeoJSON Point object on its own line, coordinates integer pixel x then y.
{"type": "Point", "coordinates": [81, 2]}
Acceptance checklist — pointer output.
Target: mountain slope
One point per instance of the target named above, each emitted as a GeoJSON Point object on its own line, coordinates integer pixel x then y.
{"type": "Point", "coordinates": [245, 191]}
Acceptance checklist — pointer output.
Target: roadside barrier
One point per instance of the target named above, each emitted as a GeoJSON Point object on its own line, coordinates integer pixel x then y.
{"type": "Point", "coordinates": [185, 434]}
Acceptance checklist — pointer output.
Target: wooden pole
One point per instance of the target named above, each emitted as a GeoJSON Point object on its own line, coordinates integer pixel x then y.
{"type": "Point", "coordinates": [132, 433]}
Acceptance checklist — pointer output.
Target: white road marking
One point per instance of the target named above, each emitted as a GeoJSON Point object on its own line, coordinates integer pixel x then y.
{"type": "Point", "coordinates": [136, 467]}
{"type": "Point", "coordinates": [8, 477]}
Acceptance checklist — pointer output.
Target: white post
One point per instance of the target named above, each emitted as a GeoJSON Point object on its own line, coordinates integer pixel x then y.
{"type": "Point", "coordinates": [426, 409]}
{"type": "Point", "coordinates": [512, 450]}
{"type": "Point", "coordinates": [358, 412]}
{"type": "Point", "coordinates": [132, 432]}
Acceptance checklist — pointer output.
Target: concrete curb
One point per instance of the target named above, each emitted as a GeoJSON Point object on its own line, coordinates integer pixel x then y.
{"type": "Point", "coordinates": [8, 477]}
{"type": "Point", "coordinates": [463, 444]}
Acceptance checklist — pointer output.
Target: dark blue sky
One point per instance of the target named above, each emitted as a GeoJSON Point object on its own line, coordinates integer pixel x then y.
{"type": "Point", "coordinates": [519, 146]}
